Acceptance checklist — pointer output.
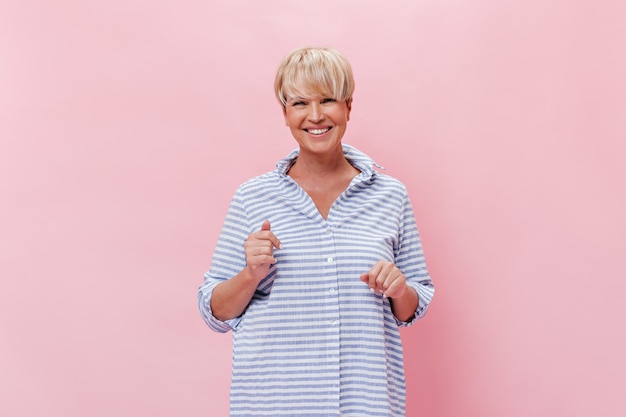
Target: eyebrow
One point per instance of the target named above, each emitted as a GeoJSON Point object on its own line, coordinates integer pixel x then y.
{"type": "Point", "coordinates": [291, 99]}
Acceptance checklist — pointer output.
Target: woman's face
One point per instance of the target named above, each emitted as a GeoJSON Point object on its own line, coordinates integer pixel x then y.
{"type": "Point", "coordinates": [317, 123]}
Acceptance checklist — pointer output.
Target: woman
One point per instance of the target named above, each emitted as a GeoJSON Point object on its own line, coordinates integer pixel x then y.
{"type": "Point", "coordinates": [317, 265]}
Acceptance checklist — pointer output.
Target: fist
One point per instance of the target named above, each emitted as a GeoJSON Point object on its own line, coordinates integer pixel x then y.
{"type": "Point", "coordinates": [259, 250]}
{"type": "Point", "coordinates": [385, 278]}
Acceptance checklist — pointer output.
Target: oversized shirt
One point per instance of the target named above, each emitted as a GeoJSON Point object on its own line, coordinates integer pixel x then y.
{"type": "Point", "coordinates": [314, 340]}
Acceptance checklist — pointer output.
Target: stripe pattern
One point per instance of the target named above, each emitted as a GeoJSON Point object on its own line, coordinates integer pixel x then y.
{"type": "Point", "coordinates": [314, 340]}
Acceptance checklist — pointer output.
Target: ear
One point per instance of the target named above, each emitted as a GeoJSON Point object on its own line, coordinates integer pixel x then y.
{"type": "Point", "coordinates": [349, 104]}
{"type": "Point", "coordinates": [285, 115]}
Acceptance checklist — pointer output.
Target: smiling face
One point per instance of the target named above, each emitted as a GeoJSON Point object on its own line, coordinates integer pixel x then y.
{"type": "Point", "coordinates": [315, 87]}
{"type": "Point", "coordinates": [317, 123]}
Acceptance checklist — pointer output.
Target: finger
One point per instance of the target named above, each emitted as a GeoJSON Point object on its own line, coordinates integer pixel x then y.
{"type": "Point", "coordinates": [396, 288]}
{"type": "Point", "coordinates": [258, 250]}
{"type": "Point", "coordinates": [260, 253]}
{"type": "Point", "coordinates": [266, 227]}
{"type": "Point", "coordinates": [395, 284]}
{"type": "Point", "coordinates": [386, 274]}
{"type": "Point", "coordinates": [370, 277]}
{"type": "Point", "coordinates": [384, 271]}
{"type": "Point", "coordinates": [262, 247]}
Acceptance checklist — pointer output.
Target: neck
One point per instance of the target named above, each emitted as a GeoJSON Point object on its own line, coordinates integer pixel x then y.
{"type": "Point", "coordinates": [309, 164]}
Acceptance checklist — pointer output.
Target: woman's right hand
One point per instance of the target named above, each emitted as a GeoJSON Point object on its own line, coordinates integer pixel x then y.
{"type": "Point", "coordinates": [259, 250]}
{"type": "Point", "coordinates": [231, 297]}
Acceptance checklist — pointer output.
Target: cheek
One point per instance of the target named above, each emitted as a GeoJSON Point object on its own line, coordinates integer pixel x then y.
{"type": "Point", "coordinates": [342, 115]}
{"type": "Point", "coordinates": [291, 117]}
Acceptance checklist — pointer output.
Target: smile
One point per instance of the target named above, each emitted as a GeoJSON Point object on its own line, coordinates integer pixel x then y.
{"type": "Point", "coordinates": [318, 131]}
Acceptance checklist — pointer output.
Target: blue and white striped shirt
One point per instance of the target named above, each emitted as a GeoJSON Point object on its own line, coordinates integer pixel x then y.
{"type": "Point", "coordinates": [314, 340]}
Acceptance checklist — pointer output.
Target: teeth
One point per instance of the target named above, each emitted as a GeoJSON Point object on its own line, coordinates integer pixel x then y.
{"type": "Point", "coordinates": [318, 131]}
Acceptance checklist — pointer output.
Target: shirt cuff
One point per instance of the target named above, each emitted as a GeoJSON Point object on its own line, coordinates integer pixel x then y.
{"type": "Point", "coordinates": [204, 304]}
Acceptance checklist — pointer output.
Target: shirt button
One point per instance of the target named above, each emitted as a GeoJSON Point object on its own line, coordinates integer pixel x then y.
{"type": "Point", "coordinates": [332, 290]}
{"type": "Point", "coordinates": [328, 231]}
{"type": "Point", "coordinates": [334, 322]}
{"type": "Point", "coordinates": [330, 259]}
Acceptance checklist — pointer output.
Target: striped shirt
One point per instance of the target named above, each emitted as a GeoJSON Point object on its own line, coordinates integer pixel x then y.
{"type": "Point", "coordinates": [314, 340]}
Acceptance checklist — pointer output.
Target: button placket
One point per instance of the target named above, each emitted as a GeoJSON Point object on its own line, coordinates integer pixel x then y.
{"type": "Point", "coordinates": [331, 284]}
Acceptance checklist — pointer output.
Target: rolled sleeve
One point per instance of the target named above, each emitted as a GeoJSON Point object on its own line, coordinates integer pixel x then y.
{"type": "Point", "coordinates": [411, 261]}
{"type": "Point", "coordinates": [204, 304]}
{"type": "Point", "coordinates": [228, 260]}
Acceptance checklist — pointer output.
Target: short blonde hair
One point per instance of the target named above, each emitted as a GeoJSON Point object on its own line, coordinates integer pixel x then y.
{"type": "Point", "coordinates": [309, 71]}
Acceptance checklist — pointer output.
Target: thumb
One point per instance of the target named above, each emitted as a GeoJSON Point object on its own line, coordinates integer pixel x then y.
{"type": "Point", "coordinates": [265, 227]}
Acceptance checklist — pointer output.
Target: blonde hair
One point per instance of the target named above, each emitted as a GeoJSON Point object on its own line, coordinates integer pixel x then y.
{"type": "Point", "coordinates": [310, 71]}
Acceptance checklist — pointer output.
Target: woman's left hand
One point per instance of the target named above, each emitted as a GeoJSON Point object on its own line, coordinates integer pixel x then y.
{"type": "Point", "coordinates": [385, 278]}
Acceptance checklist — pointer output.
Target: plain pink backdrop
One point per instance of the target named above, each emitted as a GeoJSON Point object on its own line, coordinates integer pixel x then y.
{"type": "Point", "coordinates": [125, 127]}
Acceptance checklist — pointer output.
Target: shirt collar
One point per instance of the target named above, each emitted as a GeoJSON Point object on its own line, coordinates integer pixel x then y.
{"type": "Point", "coordinates": [357, 158]}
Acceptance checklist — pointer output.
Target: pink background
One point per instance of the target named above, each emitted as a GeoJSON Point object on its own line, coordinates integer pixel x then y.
{"type": "Point", "coordinates": [125, 127]}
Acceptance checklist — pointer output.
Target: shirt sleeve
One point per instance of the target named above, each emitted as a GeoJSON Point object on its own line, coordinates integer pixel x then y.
{"type": "Point", "coordinates": [409, 258]}
{"type": "Point", "coordinates": [228, 260]}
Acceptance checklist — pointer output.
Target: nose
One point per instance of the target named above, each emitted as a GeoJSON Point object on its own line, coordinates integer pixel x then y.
{"type": "Point", "coordinates": [316, 114]}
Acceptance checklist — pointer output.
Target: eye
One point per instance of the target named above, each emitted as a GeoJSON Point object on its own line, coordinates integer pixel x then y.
{"type": "Point", "coordinates": [298, 103]}
{"type": "Point", "coordinates": [328, 100]}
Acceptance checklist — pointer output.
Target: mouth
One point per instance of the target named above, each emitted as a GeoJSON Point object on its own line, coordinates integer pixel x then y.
{"type": "Point", "coordinates": [318, 131]}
